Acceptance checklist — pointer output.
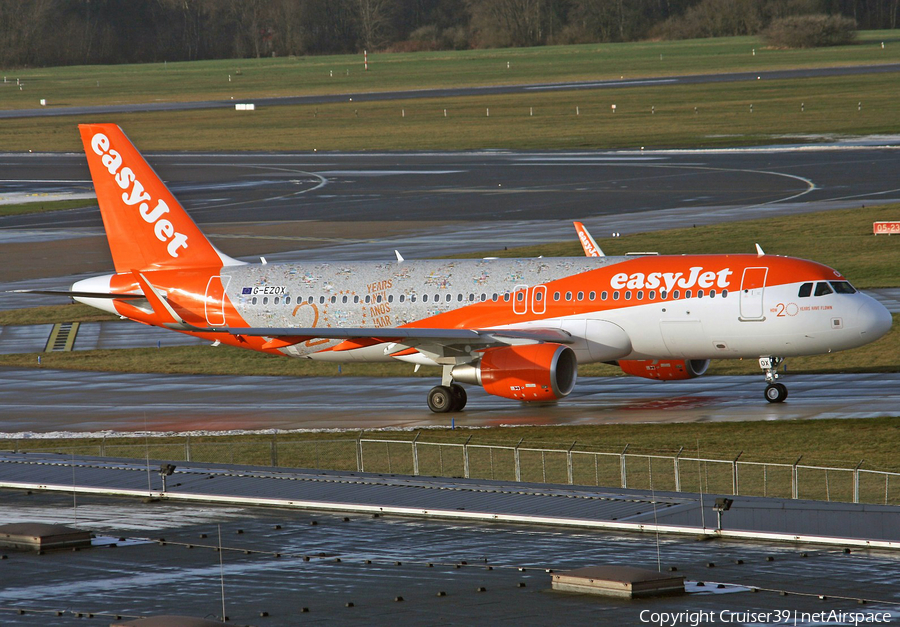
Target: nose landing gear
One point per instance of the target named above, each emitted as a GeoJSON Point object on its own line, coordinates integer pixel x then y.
{"type": "Point", "coordinates": [775, 392]}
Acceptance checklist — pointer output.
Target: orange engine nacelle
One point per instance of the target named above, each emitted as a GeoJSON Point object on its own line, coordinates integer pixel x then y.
{"type": "Point", "coordinates": [533, 372]}
{"type": "Point", "coordinates": [664, 369]}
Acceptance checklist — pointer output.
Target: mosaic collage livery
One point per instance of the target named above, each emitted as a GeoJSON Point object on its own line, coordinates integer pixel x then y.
{"type": "Point", "coordinates": [517, 327]}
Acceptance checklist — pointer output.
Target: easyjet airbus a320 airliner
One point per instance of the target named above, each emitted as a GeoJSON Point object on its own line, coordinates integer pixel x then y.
{"type": "Point", "coordinates": [517, 327]}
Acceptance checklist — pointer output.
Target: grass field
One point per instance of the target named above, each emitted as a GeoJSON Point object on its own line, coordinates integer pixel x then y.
{"type": "Point", "coordinates": [663, 116]}
{"type": "Point", "coordinates": [651, 117]}
{"type": "Point", "coordinates": [259, 78]}
{"type": "Point", "coordinates": [41, 206]}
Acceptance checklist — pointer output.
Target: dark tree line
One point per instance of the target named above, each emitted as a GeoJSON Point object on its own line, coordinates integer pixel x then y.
{"type": "Point", "coordinates": [62, 32]}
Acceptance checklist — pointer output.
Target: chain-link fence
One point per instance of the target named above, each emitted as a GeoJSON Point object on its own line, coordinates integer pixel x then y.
{"type": "Point", "coordinates": [673, 473]}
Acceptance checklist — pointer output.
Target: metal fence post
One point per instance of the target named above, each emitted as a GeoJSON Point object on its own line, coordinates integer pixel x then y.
{"type": "Point", "coordinates": [856, 481]}
{"type": "Point", "coordinates": [734, 474]}
{"type": "Point", "coordinates": [466, 458]}
{"type": "Point", "coordinates": [359, 456]}
{"type": "Point", "coordinates": [187, 449]}
{"type": "Point", "coordinates": [677, 470]}
{"type": "Point", "coordinates": [415, 452]}
{"type": "Point", "coordinates": [274, 445]}
{"type": "Point", "coordinates": [518, 463]}
{"type": "Point", "coordinates": [795, 479]}
{"type": "Point", "coordinates": [103, 447]}
{"type": "Point", "coordinates": [622, 466]}
{"type": "Point", "coordinates": [569, 466]}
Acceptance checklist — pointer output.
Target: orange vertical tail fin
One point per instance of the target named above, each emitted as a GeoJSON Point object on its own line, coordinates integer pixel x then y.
{"type": "Point", "coordinates": [146, 226]}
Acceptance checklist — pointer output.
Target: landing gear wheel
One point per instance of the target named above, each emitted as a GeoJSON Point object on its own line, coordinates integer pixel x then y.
{"type": "Point", "coordinates": [440, 399]}
{"type": "Point", "coordinates": [776, 392]}
{"type": "Point", "coordinates": [459, 396]}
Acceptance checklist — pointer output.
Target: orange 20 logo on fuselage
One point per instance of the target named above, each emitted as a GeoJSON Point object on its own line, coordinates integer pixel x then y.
{"type": "Point", "coordinates": [163, 229]}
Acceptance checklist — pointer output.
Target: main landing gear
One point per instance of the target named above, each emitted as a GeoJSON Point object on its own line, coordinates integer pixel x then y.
{"type": "Point", "coordinates": [775, 392]}
{"type": "Point", "coordinates": [447, 398]}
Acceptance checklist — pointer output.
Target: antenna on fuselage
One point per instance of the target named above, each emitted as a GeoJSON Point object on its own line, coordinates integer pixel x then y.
{"type": "Point", "coordinates": [400, 258]}
{"type": "Point", "coordinates": [759, 251]}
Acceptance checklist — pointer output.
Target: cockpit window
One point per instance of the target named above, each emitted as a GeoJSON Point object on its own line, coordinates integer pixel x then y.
{"type": "Point", "coordinates": [805, 290]}
{"type": "Point", "coordinates": [843, 287]}
{"type": "Point", "coordinates": [823, 288]}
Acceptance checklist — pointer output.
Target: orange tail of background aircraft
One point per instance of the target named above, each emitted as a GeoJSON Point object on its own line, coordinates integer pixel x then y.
{"type": "Point", "coordinates": [516, 327]}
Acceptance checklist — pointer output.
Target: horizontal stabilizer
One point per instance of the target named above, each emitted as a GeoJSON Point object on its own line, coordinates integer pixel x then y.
{"type": "Point", "coordinates": [72, 294]}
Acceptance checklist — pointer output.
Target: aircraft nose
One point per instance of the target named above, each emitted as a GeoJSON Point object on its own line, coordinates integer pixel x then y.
{"type": "Point", "coordinates": [874, 318]}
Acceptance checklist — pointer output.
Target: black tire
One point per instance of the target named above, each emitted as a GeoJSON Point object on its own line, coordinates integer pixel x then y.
{"type": "Point", "coordinates": [459, 396]}
{"type": "Point", "coordinates": [784, 390]}
{"type": "Point", "coordinates": [776, 393]}
{"type": "Point", "coordinates": [440, 399]}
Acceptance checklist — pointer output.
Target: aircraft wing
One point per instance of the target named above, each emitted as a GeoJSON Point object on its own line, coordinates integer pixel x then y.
{"type": "Point", "coordinates": [398, 334]}
{"type": "Point", "coordinates": [437, 343]}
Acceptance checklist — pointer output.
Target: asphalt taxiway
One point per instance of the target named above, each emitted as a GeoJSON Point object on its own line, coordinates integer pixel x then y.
{"type": "Point", "coordinates": [42, 401]}
{"type": "Point", "coordinates": [487, 90]}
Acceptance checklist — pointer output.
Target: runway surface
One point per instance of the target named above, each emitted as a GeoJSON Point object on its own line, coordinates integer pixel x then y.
{"type": "Point", "coordinates": [53, 401]}
{"type": "Point", "coordinates": [490, 90]}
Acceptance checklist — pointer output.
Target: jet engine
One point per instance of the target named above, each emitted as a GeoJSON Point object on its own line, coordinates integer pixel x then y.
{"type": "Point", "coordinates": [664, 369]}
{"type": "Point", "coordinates": [532, 372]}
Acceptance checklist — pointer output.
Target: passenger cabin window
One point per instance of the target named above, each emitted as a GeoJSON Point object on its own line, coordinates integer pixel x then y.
{"type": "Point", "coordinates": [321, 300]}
{"type": "Point", "coordinates": [448, 298]}
{"type": "Point", "coordinates": [356, 299]}
{"type": "Point", "coordinates": [459, 298]}
{"type": "Point", "coordinates": [603, 295]}
{"type": "Point", "coordinates": [253, 300]}
{"type": "Point", "coordinates": [539, 296]}
{"type": "Point", "coordinates": [663, 294]}
{"type": "Point", "coordinates": [805, 290]}
{"type": "Point", "coordinates": [402, 297]}
{"type": "Point", "coordinates": [675, 294]}
{"type": "Point", "coordinates": [652, 295]}
{"type": "Point", "coordinates": [555, 295]}
{"type": "Point", "coordinates": [580, 295]}
{"type": "Point", "coordinates": [265, 300]}
{"type": "Point", "coordinates": [568, 295]}
{"type": "Point", "coordinates": [823, 288]}
{"type": "Point", "coordinates": [471, 298]}
{"type": "Point", "coordinates": [640, 295]}
{"type": "Point", "coordinates": [628, 295]}
{"type": "Point", "coordinates": [593, 296]}
{"type": "Point", "coordinates": [724, 293]}
{"type": "Point", "coordinates": [483, 297]}
{"type": "Point", "coordinates": [334, 299]}
{"type": "Point", "coordinates": [287, 300]}
{"type": "Point", "coordinates": [391, 298]}
{"type": "Point", "coordinates": [843, 287]}
{"type": "Point", "coordinates": [687, 293]}
{"type": "Point", "coordinates": [615, 296]}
